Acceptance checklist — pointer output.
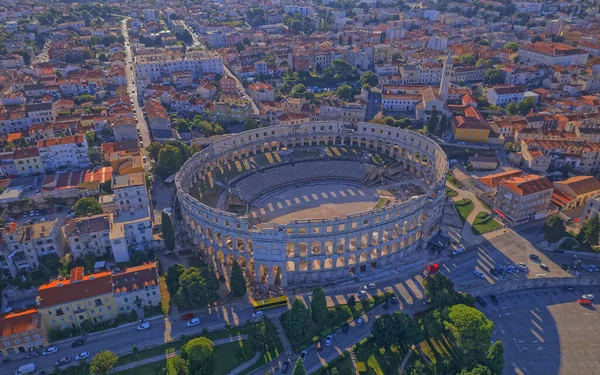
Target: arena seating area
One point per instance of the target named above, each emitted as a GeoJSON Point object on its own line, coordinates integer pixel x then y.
{"type": "Point", "coordinates": [257, 184]}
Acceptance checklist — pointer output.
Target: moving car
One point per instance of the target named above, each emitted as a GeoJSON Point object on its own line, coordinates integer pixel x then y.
{"type": "Point", "coordinates": [77, 343]}
{"type": "Point", "coordinates": [285, 366]}
{"type": "Point", "coordinates": [480, 301]}
{"type": "Point", "coordinates": [50, 350]}
{"type": "Point", "coordinates": [187, 317]}
{"type": "Point", "coordinates": [479, 274]}
{"type": "Point", "coordinates": [26, 369]}
{"type": "Point", "coordinates": [584, 302]}
{"type": "Point", "coordinates": [494, 299]}
{"type": "Point", "coordinates": [319, 346]}
{"type": "Point", "coordinates": [62, 361]}
{"type": "Point", "coordinates": [143, 326]}
{"type": "Point", "coordinates": [82, 355]}
{"type": "Point", "coordinates": [494, 271]}
{"type": "Point", "coordinates": [568, 288]}
{"type": "Point", "coordinates": [31, 355]}
{"type": "Point", "coordinates": [588, 296]}
{"type": "Point", "coordinates": [303, 356]}
{"type": "Point", "coordinates": [359, 322]}
{"type": "Point", "coordinates": [328, 340]}
{"type": "Point", "coordinates": [432, 268]}
{"type": "Point", "coordinates": [193, 322]}
{"type": "Point", "coordinates": [258, 314]}
{"type": "Point", "coordinates": [457, 251]}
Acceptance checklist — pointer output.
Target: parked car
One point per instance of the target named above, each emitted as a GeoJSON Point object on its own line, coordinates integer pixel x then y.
{"type": "Point", "coordinates": [31, 355]}
{"type": "Point", "coordinates": [588, 296]}
{"type": "Point", "coordinates": [193, 322]}
{"type": "Point", "coordinates": [479, 274]}
{"type": "Point", "coordinates": [432, 268]}
{"type": "Point", "coordinates": [480, 301]}
{"type": "Point", "coordinates": [82, 355]}
{"type": "Point", "coordinates": [534, 257]}
{"type": "Point", "coordinates": [359, 322]}
{"type": "Point", "coordinates": [62, 361]}
{"type": "Point", "coordinates": [494, 299]}
{"type": "Point", "coordinates": [522, 266]}
{"type": "Point", "coordinates": [544, 267]}
{"type": "Point", "coordinates": [50, 350]}
{"type": "Point", "coordinates": [77, 343]}
{"type": "Point", "coordinates": [303, 356]}
{"type": "Point", "coordinates": [584, 302]}
{"type": "Point", "coordinates": [345, 328]}
{"type": "Point", "coordinates": [494, 271]}
{"type": "Point", "coordinates": [187, 317]}
{"type": "Point", "coordinates": [328, 340]}
{"type": "Point", "coordinates": [143, 326]}
{"type": "Point", "coordinates": [258, 314]}
{"type": "Point", "coordinates": [285, 366]}
{"type": "Point", "coordinates": [564, 267]}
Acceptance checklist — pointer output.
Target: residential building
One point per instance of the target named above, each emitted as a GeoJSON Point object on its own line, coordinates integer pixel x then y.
{"type": "Point", "coordinates": [232, 109]}
{"type": "Point", "coordinates": [88, 235]}
{"type": "Point", "coordinates": [65, 152]}
{"type": "Point", "coordinates": [136, 287]}
{"type": "Point", "coordinates": [124, 128]}
{"type": "Point", "coordinates": [262, 92]}
{"type": "Point", "coordinates": [131, 230]}
{"type": "Point", "coordinates": [551, 54]}
{"type": "Point", "coordinates": [592, 208]}
{"type": "Point", "coordinates": [574, 192]}
{"type": "Point", "coordinates": [40, 113]}
{"type": "Point", "coordinates": [21, 331]}
{"type": "Point", "coordinates": [437, 42]}
{"type": "Point", "coordinates": [28, 161]}
{"type": "Point", "coordinates": [519, 199]}
{"type": "Point", "coordinates": [27, 243]}
{"type": "Point", "coordinates": [68, 302]}
{"type": "Point", "coordinates": [130, 191]}
{"type": "Point", "coordinates": [472, 127]}
{"type": "Point", "coordinates": [483, 162]}
{"type": "Point", "coordinates": [162, 63]}
{"type": "Point", "coordinates": [490, 182]}
{"type": "Point", "coordinates": [228, 85]}
{"type": "Point", "coordinates": [501, 96]}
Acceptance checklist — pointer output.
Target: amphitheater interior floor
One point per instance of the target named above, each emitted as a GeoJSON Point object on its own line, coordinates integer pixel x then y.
{"type": "Point", "coordinates": [315, 201]}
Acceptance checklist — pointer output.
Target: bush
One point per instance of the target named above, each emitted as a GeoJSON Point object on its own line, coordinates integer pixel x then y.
{"type": "Point", "coordinates": [569, 244]}
{"type": "Point", "coordinates": [462, 202]}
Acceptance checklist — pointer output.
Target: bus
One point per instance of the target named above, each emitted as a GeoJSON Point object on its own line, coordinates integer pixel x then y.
{"type": "Point", "coordinates": [270, 303]}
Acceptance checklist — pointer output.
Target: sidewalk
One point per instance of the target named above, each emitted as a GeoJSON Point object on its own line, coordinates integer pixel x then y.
{"type": "Point", "coordinates": [172, 354]}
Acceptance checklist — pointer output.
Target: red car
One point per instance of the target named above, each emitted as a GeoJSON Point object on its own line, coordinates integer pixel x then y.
{"type": "Point", "coordinates": [585, 302]}
{"type": "Point", "coordinates": [432, 268]}
{"type": "Point", "coordinates": [187, 316]}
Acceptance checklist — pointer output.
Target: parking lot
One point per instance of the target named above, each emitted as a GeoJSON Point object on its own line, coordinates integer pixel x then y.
{"type": "Point", "coordinates": [546, 332]}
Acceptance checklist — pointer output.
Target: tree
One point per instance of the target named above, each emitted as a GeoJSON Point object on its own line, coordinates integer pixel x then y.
{"type": "Point", "coordinates": [172, 277]}
{"type": "Point", "coordinates": [467, 59]}
{"type": "Point", "coordinates": [554, 229]}
{"type": "Point", "coordinates": [345, 92]}
{"type": "Point", "coordinates": [513, 46]}
{"type": "Point", "coordinates": [103, 362]}
{"type": "Point", "coordinates": [495, 358]}
{"type": "Point", "coordinates": [87, 206]}
{"type": "Point", "coordinates": [369, 78]}
{"type": "Point", "coordinates": [432, 122]}
{"type": "Point", "coordinates": [237, 281]}
{"type": "Point", "coordinates": [536, 38]}
{"type": "Point", "coordinates": [384, 331]}
{"type": "Point", "coordinates": [432, 324]}
{"type": "Point", "coordinates": [102, 58]}
{"type": "Point", "coordinates": [436, 284]}
{"type": "Point", "coordinates": [298, 91]}
{"type": "Point", "coordinates": [443, 124]}
{"type": "Point", "coordinates": [471, 331]}
{"type": "Point", "coordinates": [169, 161]}
{"type": "Point", "coordinates": [590, 231]}
{"type": "Point", "coordinates": [297, 319]}
{"type": "Point", "coordinates": [493, 76]}
{"type": "Point", "coordinates": [168, 231]}
{"type": "Point", "coordinates": [251, 124]}
{"type": "Point", "coordinates": [511, 108]}
{"type": "Point", "coordinates": [318, 305]}
{"type": "Point", "coordinates": [525, 106]}
{"type": "Point", "coordinates": [197, 287]}
{"type": "Point", "coordinates": [477, 370]}
{"type": "Point", "coordinates": [198, 354]}
{"type": "Point", "coordinates": [299, 368]}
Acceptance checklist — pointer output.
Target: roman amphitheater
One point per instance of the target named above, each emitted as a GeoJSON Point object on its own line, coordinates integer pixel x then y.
{"type": "Point", "coordinates": [313, 203]}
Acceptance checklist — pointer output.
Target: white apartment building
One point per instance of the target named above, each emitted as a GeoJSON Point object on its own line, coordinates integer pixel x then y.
{"type": "Point", "coordinates": [502, 96]}
{"type": "Point", "coordinates": [65, 152]}
{"type": "Point", "coordinates": [131, 229]}
{"type": "Point", "coordinates": [25, 244]}
{"type": "Point", "coordinates": [40, 113]}
{"type": "Point", "coordinates": [130, 191]}
{"type": "Point", "coordinates": [438, 43]}
{"type": "Point", "coordinates": [216, 39]}
{"type": "Point", "coordinates": [552, 54]}
{"type": "Point", "coordinates": [163, 63]}
{"type": "Point", "coordinates": [426, 74]}
{"type": "Point", "coordinates": [88, 235]}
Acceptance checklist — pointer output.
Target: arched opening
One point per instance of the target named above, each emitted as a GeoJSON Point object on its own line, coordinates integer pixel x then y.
{"type": "Point", "coordinates": [276, 274]}
{"type": "Point", "coordinates": [290, 266]}
{"type": "Point", "coordinates": [263, 272]}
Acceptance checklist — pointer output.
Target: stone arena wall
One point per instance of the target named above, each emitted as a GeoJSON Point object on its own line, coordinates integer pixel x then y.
{"type": "Point", "coordinates": [305, 252]}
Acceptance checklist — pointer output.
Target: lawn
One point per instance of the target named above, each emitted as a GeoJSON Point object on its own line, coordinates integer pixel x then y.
{"type": "Point", "coordinates": [484, 223]}
{"type": "Point", "coordinates": [451, 193]}
{"type": "Point", "coordinates": [268, 356]}
{"type": "Point", "coordinates": [437, 350]}
{"type": "Point", "coordinates": [451, 179]}
{"type": "Point", "coordinates": [464, 208]}
{"type": "Point", "coordinates": [373, 360]}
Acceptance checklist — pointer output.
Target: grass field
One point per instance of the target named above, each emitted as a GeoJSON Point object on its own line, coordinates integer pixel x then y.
{"type": "Point", "coordinates": [451, 193]}
{"type": "Point", "coordinates": [373, 360]}
{"type": "Point", "coordinates": [464, 208]}
{"type": "Point", "coordinates": [484, 223]}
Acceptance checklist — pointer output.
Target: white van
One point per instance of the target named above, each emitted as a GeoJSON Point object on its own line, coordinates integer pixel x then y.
{"type": "Point", "coordinates": [26, 369]}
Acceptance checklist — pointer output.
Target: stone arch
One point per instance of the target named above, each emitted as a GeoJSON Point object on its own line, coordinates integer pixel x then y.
{"type": "Point", "coordinates": [240, 245]}
{"type": "Point", "coordinates": [219, 239]}
{"type": "Point", "coordinates": [363, 257]}
{"type": "Point", "coordinates": [340, 262]}
{"type": "Point", "coordinates": [328, 263]}
{"type": "Point", "coordinates": [385, 251]}
{"type": "Point", "coordinates": [229, 242]}
{"type": "Point", "coordinates": [315, 265]}
{"type": "Point", "coordinates": [374, 254]}
{"type": "Point", "coordinates": [263, 273]}
{"type": "Point", "coordinates": [315, 248]}
{"type": "Point", "coordinates": [330, 140]}
{"type": "Point", "coordinates": [303, 266]}
{"type": "Point", "coordinates": [290, 249]}
{"type": "Point", "coordinates": [276, 275]}
{"type": "Point", "coordinates": [290, 266]}
{"type": "Point", "coordinates": [352, 259]}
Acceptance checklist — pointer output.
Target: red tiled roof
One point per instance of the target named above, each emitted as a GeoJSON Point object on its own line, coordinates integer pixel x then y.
{"type": "Point", "coordinates": [527, 185]}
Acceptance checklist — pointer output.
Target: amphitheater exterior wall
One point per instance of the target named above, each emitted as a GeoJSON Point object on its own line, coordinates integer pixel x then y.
{"type": "Point", "coordinates": [324, 250]}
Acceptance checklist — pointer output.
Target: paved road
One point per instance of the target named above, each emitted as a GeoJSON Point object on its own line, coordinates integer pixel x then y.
{"type": "Point", "coordinates": [546, 332]}
{"type": "Point", "coordinates": [132, 88]}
